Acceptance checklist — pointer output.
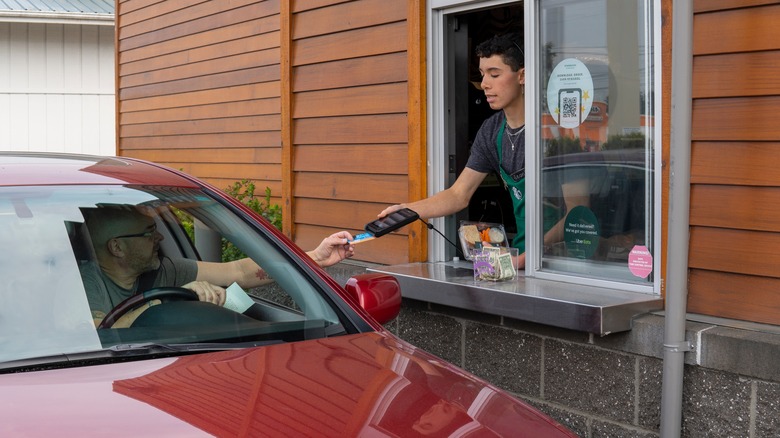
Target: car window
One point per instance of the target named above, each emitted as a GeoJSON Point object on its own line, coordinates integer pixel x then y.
{"type": "Point", "coordinates": [50, 247]}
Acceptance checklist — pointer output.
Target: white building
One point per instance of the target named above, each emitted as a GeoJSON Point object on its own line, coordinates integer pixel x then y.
{"type": "Point", "coordinates": [57, 76]}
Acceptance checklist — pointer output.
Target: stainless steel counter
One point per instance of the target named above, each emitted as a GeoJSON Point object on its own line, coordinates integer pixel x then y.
{"type": "Point", "coordinates": [567, 305]}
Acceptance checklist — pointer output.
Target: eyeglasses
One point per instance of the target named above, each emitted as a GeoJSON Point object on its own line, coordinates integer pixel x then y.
{"type": "Point", "coordinates": [147, 234]}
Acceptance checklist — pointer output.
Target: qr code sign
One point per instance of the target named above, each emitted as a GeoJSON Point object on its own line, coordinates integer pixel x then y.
{"type": "Point", "coordinates": [569, 106]}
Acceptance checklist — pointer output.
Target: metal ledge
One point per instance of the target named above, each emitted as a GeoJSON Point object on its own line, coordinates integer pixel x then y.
{"type": "Point", "coordinates": [571, 306]}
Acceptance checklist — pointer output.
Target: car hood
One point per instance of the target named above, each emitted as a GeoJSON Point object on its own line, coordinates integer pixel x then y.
{"type": "Point", "coordinates": [370, 384]}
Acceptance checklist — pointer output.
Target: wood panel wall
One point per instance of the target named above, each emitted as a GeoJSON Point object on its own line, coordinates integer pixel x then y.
{"type": "Point", "coordinates": [328, 112]}
{"type": "Point", "coordinates": [357, 120]}
{"type": "Point", "coordinates": [199, 88]}
{"type": "Point", "coordinates": [735, 182]}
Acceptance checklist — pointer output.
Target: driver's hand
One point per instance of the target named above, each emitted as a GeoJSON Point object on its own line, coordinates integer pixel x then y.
{"type": "Point", "coordinates": [333, 249]}
{"type": "Point", "coordinates": [207, 292]}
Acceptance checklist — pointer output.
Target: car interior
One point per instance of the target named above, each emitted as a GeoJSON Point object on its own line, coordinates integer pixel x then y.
{"type": "Point", "coordinates": [288, 308]}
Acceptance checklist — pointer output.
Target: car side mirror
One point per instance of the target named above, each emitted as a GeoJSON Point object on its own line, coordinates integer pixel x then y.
{"type": "Point", "coordinates": [378, 294]}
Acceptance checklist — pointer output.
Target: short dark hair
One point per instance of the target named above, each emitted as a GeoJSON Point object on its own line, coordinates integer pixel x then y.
{"type": "Point", "coordinates": [508, 46]}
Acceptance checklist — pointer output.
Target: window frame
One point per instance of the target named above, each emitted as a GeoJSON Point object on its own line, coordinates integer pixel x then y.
{"type": "Point", "coordinates": [565, 301]}
{"type": "Point", "coordinates": [533, 155]}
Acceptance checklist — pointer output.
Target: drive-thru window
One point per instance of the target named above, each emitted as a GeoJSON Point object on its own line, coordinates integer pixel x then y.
{"type": "Point", "coordinates": [591, 138]}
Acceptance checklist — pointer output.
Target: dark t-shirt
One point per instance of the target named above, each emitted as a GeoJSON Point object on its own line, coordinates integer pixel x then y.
{"type": "Point", "coordinates": [103, 294]}
{"type": "Point", "coordinates": [484, 152]}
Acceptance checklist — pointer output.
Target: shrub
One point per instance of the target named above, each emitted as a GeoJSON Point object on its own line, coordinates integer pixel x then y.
{"type": "Point", "coordinates": [561, 146]}
{"type": "Point", "coordinates": [634, 140]}
{"type": "Point", "coordinates": [243, 191]}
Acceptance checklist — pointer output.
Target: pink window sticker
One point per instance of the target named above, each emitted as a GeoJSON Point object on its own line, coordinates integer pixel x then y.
{"type": "Point", "coordinates": [640, 261]}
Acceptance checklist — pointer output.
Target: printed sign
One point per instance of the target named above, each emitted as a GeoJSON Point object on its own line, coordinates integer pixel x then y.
{"type": "Point", "coordinates": [640, 261]}
{"type": "Point", "coordinates": [570, 93]}
{"type": "Point", "coordinates": [581, 232]}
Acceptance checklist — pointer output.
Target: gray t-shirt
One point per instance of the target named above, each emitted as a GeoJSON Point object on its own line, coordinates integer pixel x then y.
{"type": "Point", "coordinates": [484, 152]}
{"type": "Point", "coordinates": [103, 294]}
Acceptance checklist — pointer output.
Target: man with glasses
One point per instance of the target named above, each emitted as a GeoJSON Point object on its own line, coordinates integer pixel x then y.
{"type": "Point", "coordinates": [127, 261]}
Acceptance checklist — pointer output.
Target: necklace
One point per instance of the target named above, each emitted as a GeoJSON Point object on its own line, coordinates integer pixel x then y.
{"type": "Point", "coordinates": [513, 136]}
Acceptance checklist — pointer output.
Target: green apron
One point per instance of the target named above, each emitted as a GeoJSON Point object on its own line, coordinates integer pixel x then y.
{"type": "Point", "coordinates": [516, 192]}
{"type": "Point", "coordinates": [551, 215]}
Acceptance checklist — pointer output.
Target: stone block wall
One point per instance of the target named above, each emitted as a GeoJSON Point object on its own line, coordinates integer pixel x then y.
{"type": "Point", "coordinates": [608, 386]}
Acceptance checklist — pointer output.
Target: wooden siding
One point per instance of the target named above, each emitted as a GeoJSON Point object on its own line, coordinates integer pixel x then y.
{"type": "Point", "coordinates": [349, 122]}
{"type": "Point", "coordinates": [288, 94]}
{"type": "Point", "coordinates": [199, 88]}
{"type": "Point", "coordinates": [735, 186]}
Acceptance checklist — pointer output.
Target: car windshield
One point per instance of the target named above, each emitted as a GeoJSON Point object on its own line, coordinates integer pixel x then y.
{"type": "Point", "coordinates": [49, 247]}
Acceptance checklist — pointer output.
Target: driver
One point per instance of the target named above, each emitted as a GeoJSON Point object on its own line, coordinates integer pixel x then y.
{"type": "Point", "coordinates": [126, 244]}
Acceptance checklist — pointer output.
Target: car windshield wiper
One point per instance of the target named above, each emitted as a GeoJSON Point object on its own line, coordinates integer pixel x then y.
{"type": "Point", "coordinates": [123, 351]}
{"type": "Point", "coordinates": [155, 347]}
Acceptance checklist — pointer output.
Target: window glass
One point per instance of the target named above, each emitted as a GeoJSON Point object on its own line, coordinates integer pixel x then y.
{"type": "Point", "coordinates": [596, 134]}
{"type": "Point", "coordinates": [54, 283]}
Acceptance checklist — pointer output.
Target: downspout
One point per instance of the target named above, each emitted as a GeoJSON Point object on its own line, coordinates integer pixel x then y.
{"type": "Point", "coordinates": [675, 344]}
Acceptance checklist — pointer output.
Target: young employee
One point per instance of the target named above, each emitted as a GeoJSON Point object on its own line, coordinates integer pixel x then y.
{"type": "Point", "coordinates": [499, 145]}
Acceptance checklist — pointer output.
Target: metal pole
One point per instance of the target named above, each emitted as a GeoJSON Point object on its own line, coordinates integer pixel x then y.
{"type": "Point", "coordinates": [675, 344]}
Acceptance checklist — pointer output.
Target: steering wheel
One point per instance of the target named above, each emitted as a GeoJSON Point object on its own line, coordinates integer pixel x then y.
{"type": "Point", "coordinates": [163, 294]}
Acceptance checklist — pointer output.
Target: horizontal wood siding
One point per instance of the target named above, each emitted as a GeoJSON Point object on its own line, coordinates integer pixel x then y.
{"type": "Point", "coordinates": [349, 120]}
{"type": "Point", "coordinates": [199, 88]}
{"type": "Point", "coordinates": [735, 185]}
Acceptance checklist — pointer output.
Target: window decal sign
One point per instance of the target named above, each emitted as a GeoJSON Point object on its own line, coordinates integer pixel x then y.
{"type": "Point", "coordinates": [581, 232]}
{"type": "Point", "coordinates": [640, 261]}
{"type": "Point", "coordinates": [570, 93]}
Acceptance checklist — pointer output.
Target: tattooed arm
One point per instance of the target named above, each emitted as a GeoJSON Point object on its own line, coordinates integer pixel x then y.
{"type": "Point", "coordinates": [248, 274]}
{"type": "Point", "coordinates": [245, 272]}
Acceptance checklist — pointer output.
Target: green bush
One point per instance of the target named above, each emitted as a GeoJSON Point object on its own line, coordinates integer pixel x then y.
{"type": "Point", "coordinates": [243, 191]}
{"type": "Point", "coordinates": [635, 140]}
{"type": "Point", "coordinates": [561, 146]}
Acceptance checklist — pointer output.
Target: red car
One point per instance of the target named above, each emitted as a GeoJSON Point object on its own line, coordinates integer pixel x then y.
{"type": "Point", "coordinates": [310, 359]}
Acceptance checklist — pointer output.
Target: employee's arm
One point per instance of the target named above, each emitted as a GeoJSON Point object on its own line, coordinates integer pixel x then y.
{"type": "Point", "coordinates": [446, 202]}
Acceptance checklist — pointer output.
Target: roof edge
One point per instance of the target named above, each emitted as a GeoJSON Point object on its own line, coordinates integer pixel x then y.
{"type": "Point", "coordinates": [57, 17]}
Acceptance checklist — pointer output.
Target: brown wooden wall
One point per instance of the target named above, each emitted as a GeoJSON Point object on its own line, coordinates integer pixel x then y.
{"type": "Point", "coordinates": [288, 94]}
{"type": "Point", "coordinates": [735, 183]}
{"type": "Point", "coordinates": [198, 88]}
{"type": "Point", "coordinates": [352, 104]}
{"type": "Point", "coordinates": [330, 114]}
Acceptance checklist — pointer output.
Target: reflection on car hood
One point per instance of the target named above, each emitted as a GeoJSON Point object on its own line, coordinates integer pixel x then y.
{"type": "Point", "coordinates": [359, 385]}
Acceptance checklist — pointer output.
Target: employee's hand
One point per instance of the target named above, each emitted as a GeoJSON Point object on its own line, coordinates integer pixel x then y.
{"type": "Point", "coordinates": [333, 249]}
{"type": "Point", "coordinates": [520, 262]}
{"type": "Point", "coordinates": [207, 292]}
{"type": "Point", "coordinates": [390, 209]}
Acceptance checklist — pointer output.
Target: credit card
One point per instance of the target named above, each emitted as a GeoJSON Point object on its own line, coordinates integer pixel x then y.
{"type": "Point", "coordinates": [362, 237]}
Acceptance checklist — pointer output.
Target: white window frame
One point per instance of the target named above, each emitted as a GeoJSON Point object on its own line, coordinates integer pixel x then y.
{"type": "Point", "coordinates": [533, 229]}
{"type": "Point", "coordinates": [437, 165]}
